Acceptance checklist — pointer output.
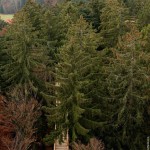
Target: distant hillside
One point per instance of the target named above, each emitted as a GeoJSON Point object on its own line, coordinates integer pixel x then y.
{"type": "Point", "coordinates": [12, 6]}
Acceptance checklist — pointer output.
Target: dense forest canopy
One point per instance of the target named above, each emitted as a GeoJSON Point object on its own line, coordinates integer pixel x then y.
{"type": "Point", "coordinates": [79, 69]}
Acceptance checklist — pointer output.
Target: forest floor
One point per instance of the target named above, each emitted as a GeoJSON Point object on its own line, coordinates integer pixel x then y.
{"type": "Point", "coordinates": [6, 16]}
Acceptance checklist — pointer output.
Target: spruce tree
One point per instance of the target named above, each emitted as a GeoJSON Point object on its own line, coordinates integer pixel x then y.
{"type": "Point", "coordinates": [54, 31]}
{"type": "Point", "coordinates": [143, 13]}
{"type": "Point", "coordinates": [112, 22]}
{"type": "Point", "coordinates": [69, 108]}
{"type": "Point", "coordinates": [96, 10]}
{"type": "Point", "coordinates": [68, 14]}
{"type": "Point", "coordinates": [34, 11]}
{"type": "Point", "coordinates": [146, 37]}
{"type": "Point", "coordinates": [3, 55]}
{"type": "Point", "coordinates": [27, 57]}
{"type": "Point", "coordinates": [2, 24]}
{"type": "Point", "coordinates": [128, 86]}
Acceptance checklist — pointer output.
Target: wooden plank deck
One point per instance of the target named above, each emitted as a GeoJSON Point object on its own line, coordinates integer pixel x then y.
{"type": "Point", "coordinates": [62, 146]}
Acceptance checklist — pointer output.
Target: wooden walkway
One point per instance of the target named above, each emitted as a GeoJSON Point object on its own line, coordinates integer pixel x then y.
{"type": "Point", "coordinates": [64, 145]}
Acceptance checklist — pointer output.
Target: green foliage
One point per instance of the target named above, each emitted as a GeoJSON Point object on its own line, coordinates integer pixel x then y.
{"type": "Point", "coordinates": [92, 11]}
{"type": "Point", "coordinates": [133, 6]}
{"type": "Point", "coordinates": [127, 82]}
{"type": "Point", "coordinates": [112, 22]}
{"type": "Point", "coordinates": [72, 75]}
{"type": "Point", "coordinates": [68, 12]}
{"type": "Point", "coordinates": [143, 14]}
{"type": "Point", "coordinates": [34, 12]}
{"type": "Point", "coordinates": [54, 31]}
{"type": "Point", "coordinates": [27, 57]}
{"type": "Point", "coordinates": [49, 53]}
{"type": "Point", "coordinates": [146, 37]}
{"type": "Point", "coordinates": [51, 34]}
{"type": "Point", "coordinates": [3, 59]}
{"type": "Point", "coordinates": [2, 24]}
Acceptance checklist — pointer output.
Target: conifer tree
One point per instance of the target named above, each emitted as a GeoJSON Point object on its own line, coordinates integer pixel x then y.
{"type": "Point", "coordinates": [68, 109]}
{"type": "Point", "coordinates": [54, 31]}
{"type": "Point", "coordinates": [128, 86]}
{"type": "Point", "coordinates": [143, 13]}
{"type": "Point", "coordinates": [112, 22]}
{"type": "Point", "coordinates": [27, 57]}
{"type": "Point", "coordinates": [3, 56]}
{"type": "Point", "coordinates": [146, 37]}
{"type": "Point", "coordinates": [2, 24]}
{"type": "Point", "coordinates": [136, 7]}
{"type": "Point", "coordinates": [96, 10]}
{"type": "Point", "coordinates": [34, 11]}
{"type": "Point", "coordinates": [68, 14]}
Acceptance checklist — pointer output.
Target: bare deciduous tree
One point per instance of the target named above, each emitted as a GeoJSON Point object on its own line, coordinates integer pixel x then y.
{"type": "Point", "coordinates": [6, 127]}
{"type": "Point", "coordinates": [23, 116]}
{"type": "Point", "coordinates": [93, 144]}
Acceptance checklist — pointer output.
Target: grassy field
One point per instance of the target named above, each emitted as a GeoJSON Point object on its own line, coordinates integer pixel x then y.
{"type": "Point", "coordinates": [6, 16]}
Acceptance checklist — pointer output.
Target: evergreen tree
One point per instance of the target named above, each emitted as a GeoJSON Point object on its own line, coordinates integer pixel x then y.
{"type": "Point", "coordinates": [3, 55]}
{"type": "Point", "coordinates": [135, 6]}
{"type": "Point", "coordinates": [146, 37]}
{"type": "Point", "coordinates": [143, 14]}
{"type": "Point", "coordinates": [2, 24]}
{"type": "Point", "coordinates": [112, 22]}
{"type": "Point", "coordinates": [128, 86]}
{"type": "Point", "coordinates": [92, 11]}
{"type": "Point", "coordinates": [53, 32]}
{"type": "Point", "coordinates": [27, 57]}
{"type": "Point", "coordinates": [68, 14]}
{"type": "Point", "coordinates": [96, 10]}
{"type": "Point", "coordinates": [34, 11]}
{"type": "Point", "coordinates": [69, 108]}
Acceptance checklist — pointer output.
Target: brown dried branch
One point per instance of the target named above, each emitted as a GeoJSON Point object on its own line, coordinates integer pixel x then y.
{"type": "Point", "coordinates": [93, 144]}
{"type": "Point", "coordinates": [22, 116]}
